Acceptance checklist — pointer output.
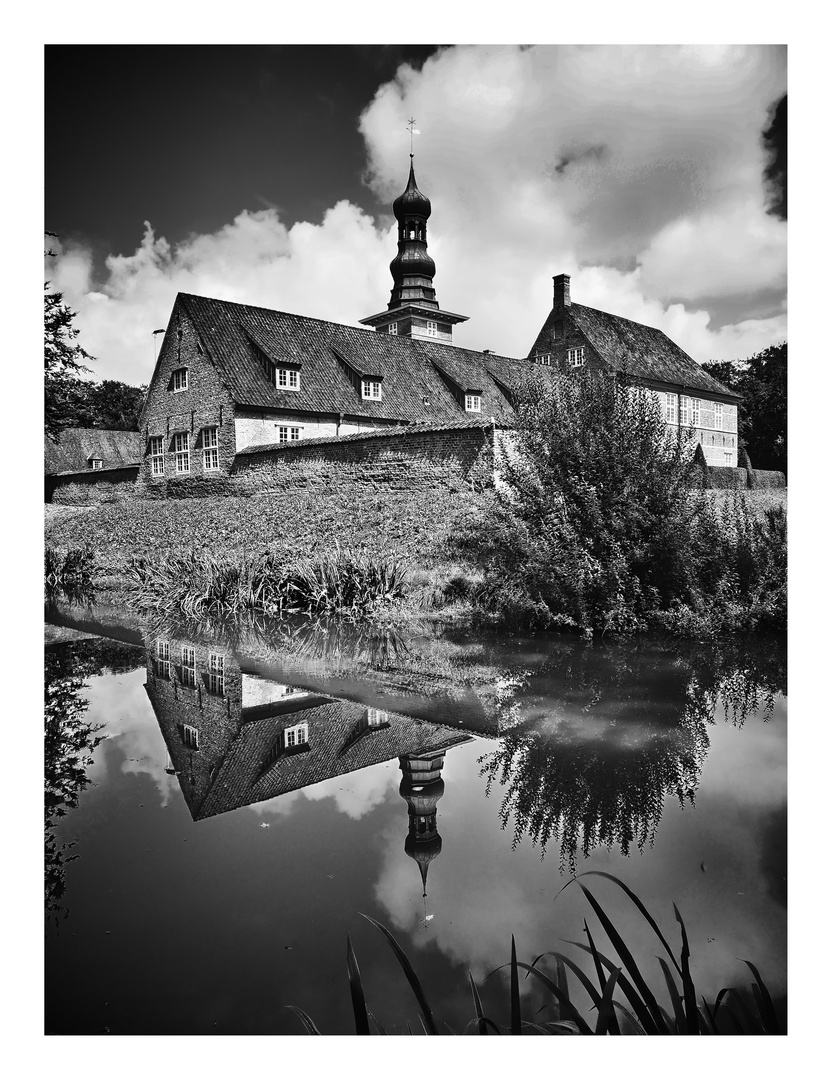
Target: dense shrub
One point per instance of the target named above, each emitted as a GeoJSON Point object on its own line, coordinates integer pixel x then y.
{"type": "Point", "coordinates": [599, 523]}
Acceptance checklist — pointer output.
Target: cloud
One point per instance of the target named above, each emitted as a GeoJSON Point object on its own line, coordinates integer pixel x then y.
{"type": "Point", "coordinates": [638, 169]}
{"type": "Point", "coordinates": [354, 794]}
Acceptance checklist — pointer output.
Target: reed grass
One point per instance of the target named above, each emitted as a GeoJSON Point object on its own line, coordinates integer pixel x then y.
{"type": "Point", "coordinates": [747, 1011]}
{"type": "Point", "coordinates": [73, 568]}
{"type": "Point", "coordinates": [199, 584]}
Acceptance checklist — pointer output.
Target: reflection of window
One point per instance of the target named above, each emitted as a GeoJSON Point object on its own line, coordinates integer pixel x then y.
{"type": "Point", "coordinates": [393, 328]}
{"type": "Point", "coordinates": [473, 402]}
{"type": "Point", "coordinates": [576, 357]}
{"type": "Point", "coordinates": [180, 379]}
{"type": "Point", "coordinates": [188, 666]}
{"type": "Point", "coordinates": [189, 736]}
{"type": "Point", "coordinates": [216, 673]}
{"type": "Point", "coordinates": [97, 463]}
{"type": "Point", "coordinates": [157, 456]}
{"type": "Point", "coordinates": [376, 717]}
{"type": "Point", "coordinates": [182, 451]}
{"type": "Point", "coordinates": [210, 449]}
{"type": "Point", "coordinates": [371, 389]}
{"type": "Point", "coordinates": [163, 658]}
{"type": "Point", "coordinates": [296, 736]}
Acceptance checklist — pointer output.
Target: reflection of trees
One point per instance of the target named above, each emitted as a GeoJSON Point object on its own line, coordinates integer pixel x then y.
{"type": "Point", "coordinates": [69, 741]}
{"type": "Point", "coordinates": [597, 773]}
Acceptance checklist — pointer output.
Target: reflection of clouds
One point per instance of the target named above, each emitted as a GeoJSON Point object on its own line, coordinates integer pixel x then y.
{"type": "Point", "coordinates": [121, 704]}
{"type": "Point", "coordinates": [481, 892]}
{"type": "Point", "coordinates": [355, 794]}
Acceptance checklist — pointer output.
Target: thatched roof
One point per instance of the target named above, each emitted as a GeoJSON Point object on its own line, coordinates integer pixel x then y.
{"type": "Point", "coordinates": [76, 447]}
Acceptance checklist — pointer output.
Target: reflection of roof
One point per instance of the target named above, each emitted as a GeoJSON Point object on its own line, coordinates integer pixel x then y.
{"type": "Point", "coordinates": [329, 354]}
{"type": "Point", "coordinates": [75, 447]}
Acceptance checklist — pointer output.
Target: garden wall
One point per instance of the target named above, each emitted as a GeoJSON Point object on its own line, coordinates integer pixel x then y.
{"type": "Point", "coordinates": [91, 486]}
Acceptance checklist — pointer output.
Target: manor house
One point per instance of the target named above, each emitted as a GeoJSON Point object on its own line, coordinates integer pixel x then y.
{"type": "Point", "coordinates": [233, 382]}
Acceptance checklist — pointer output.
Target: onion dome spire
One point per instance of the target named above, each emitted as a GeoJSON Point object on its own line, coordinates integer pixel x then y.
{"type": "Point", "coordinates": [422, 787]}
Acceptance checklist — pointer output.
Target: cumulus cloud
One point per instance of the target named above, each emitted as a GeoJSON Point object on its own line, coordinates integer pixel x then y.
{"type": "Point", "coordinates": [354, 794]}
{"type": "Point", "coordinates": [638, 169]}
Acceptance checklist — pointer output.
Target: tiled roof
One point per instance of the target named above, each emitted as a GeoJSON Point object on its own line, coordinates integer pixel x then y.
{"type": "Point", "coordinates": [75, 447]}
{"type": "Point", "coordinates": [412, 387]}
{"type": "Point", "coordinates": [643, 351]}
{"type": "Point", "coordinates": [380, 433]}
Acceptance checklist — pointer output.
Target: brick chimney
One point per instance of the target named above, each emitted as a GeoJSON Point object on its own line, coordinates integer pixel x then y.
{"type": "Point", "coordinates": [561, 297]}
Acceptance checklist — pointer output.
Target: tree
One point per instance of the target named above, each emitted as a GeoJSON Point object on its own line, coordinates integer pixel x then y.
{"type": "Point", "coordinates": [762, 382]}
{"type": "Point", "coordinates": [108, 404]}
{"type": "Point", "coordinates": [63, 361]}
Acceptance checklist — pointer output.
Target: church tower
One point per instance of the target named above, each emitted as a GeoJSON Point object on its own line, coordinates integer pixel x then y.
{"type": "Point", "coordinates": [413, 310]}
{"type": "Point", "coordinates": [422, 787]}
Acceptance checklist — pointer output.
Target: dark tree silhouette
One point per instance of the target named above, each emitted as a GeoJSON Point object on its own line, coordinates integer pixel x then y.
{"type": "Point", "coordinates": [775, 143]}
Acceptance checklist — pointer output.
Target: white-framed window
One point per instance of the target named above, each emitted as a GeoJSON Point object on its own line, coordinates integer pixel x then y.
{"type": "Point", "coordinates": [371, 389]}
{"type": "Point", "coordinates": [157, 455]}
{"type": "Point", "coordinates": [376, 717]}
{"type": "Point", "coordinates": [216, 673]}
{"type": "Point", "coordinates": [544, 359]}
{"type": "Point", "coordinates": [188, 665]}
{"type": "Point", "coordinates": [393, 328]}
{"type": "Point", "coordinates": [97, 463]}
{"type": "Point", "coordinates": [163, 658]}
{"type": "Point", "coordinates": [691, 412]}
{"type": "Point", "coordinates": [670, 408]}
{"type": "Point", "coordinates": [180, 379]}
{"type": "Point", "coordinates": [288, 434]}
{"type": "Point", "coordinates": [189, 736]}
{"type": "Point", "coordinates": [210, 449]}
{"type": "Point", "coordinates": [432, 328]}
{"type": "Point", "coordinates": [182, 450]}
{"type": "Point", "coordinates": [287, 378]}
{"type": "Point", "coordinates": [473, 402]}
{"type": "Point", "coordinates": [728, 458]}
{"type": "Point", "coordinates": [719, 415]}
{"type": "Point", "coordinates": [576, 357]}
{"type": "Point", "coordinates": [296, 736]}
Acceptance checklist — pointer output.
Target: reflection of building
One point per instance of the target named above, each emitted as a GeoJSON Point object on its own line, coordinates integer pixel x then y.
{"type": "Point", "coordinates": [422, 786]}
{"type": "Point", "coordinates": [235, 738]}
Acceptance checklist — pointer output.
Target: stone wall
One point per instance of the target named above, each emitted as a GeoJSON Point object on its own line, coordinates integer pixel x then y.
{"type": "Point", "coordinates": [407, 459]}
{"type": "Point", "coordinates": [91, 486]}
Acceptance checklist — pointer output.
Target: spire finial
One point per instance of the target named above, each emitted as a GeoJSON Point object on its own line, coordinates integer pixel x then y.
{"type": "Point", "coordinates": [413, 131]}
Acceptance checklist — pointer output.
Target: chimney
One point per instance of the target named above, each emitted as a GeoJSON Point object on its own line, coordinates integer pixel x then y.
{"type": "Point", "coordinates": [561, 298]}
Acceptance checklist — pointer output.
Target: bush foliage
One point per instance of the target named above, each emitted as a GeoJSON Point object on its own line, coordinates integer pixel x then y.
{"type": "Point", "coordinates": [600, 523]}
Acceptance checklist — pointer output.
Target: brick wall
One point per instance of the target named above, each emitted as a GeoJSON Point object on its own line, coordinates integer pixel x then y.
{"type": "Point", "coordinates": [167, 411]}
{"type": "Point", "coordinates": [404, 460]}
{"type": "Point", "coordinates": [99, 485]}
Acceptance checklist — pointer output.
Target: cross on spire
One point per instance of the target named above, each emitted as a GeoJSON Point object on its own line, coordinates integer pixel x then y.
{"type": "Point", "coordinates": [413, 131]}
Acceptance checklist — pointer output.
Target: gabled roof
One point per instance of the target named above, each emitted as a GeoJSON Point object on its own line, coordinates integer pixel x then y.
{"type": "Point", "coordinates": [643, 351]}
{"type": "Point", "coordinates": [412, 387]}
{"type": "Point", "coordinates": [76, 447]}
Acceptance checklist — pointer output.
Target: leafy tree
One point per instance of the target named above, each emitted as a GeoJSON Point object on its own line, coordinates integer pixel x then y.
{"type": "Point", "coordinates": [63, 363]}
{"type": "Point", "coordinates": [762, 382]}
{"type": "Point", "coordinates": [108, 404]}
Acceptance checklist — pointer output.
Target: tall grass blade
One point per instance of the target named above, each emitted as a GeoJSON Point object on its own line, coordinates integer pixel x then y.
{"type": "Point", "coordinates": [584, 979]}
{"type": "Point", "coordinates": [691, 1012]}
{"type": "Point", "coordinates": [570, 1009]}
{"type": "Point", "coordinates": [359, 1006]}
{"type": "Point", "coordinates": [482, 1021]}
{"type": "Point", "coordinates": [764, 1002]}
{"type": "Point", "coordinates": [636, 1027]}
{"type": "Point", "coordinates": [606, 1014]}
{"type": "Point", "coordinates": [641, 1010]}
{"type": "Point", "coordinates": [515, 992]}
{"type": "Point", "coordinates": [410, 974]}
{"type": "Point", "coordinates": [599, 971]}
{"type": "Point", "coordinates": [675, 999]}
{"type": "Point", "coordinates": [306, 1020]}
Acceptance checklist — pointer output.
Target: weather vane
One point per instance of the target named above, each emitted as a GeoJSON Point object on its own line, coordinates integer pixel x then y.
{"type": "Point", "coordinates": [413, 131]}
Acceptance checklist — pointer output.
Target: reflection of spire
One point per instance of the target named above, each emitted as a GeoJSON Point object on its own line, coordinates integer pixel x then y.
{"type": "Point", "coordinates": [422, 787]}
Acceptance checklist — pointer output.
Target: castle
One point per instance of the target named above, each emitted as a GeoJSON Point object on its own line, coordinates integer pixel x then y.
{"type": "Point", "coordinates": [237, 387]}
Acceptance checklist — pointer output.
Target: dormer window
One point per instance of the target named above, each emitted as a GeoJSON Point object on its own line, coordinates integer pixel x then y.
{"type": "Point", "coordinates": [473, 403]}
{"type": "Point", "coordinates": [296, 736]}
{"type": "Point", "coordinates": [179, 380]}
{"type": "Point", "coordinates": [287, 378]}
{"type": "Point", "coordinates": [393, 328]}
{"type": "Point", "coordinates": [96, 463]}
{"type": "Point", "coordinates": [371, 389]}
{"type": "Point", "coordinates": [432, 328]}
{"type": "Point", "coordinates": [576, 357]}
{"type": "Point", "coordinates": [544, 359]}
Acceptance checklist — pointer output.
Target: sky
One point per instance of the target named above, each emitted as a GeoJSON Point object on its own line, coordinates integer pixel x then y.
{"type": "Point", "coordinates": [265, 175]}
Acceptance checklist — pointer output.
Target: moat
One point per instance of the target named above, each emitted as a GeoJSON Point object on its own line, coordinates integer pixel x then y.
{"type": "Point", "coordinates": [223, 806]}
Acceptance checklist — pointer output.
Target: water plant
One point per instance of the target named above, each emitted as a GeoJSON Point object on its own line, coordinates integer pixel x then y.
{"type": "Point", "coordinates": [733, 1011]}
{"type": "Point", "coordinates": [198, 584]}
{"type": "Point", "coordinates": [71, 568]}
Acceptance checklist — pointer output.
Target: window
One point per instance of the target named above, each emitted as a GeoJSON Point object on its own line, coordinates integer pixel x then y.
{"type": "Point", "coordinates": [157, 456]}
{"type": "Point", "coordinates": [188, 666]}
{"type": "Point", "coordinates": [287, 379]}
{"type": "Point", "coordinates": [393, 328]}
{"type": "Point", "coordinates": [210, 449]}
{"type": "Point", "coordinates": [473, 402]}
{"type": "Point", "coordinates": [544, 359]}
{"type": "Point", "coordinates": [371, 389]}
{"type": "Point", "coordinates": [189, 736]}
{"type": "Point", "coordinates": [296, 736]}
{"type": "Point", "coordinates": [97, 463]}
{"type": "Point", "coordinates": [432, 328]}
{"type": "Point", "coordinates": [576, 357]}
{"type": "Point", "coordinates": [719, 415]}
{"type": "Point", "coordinates": [691, 412]}
{"type": "Point", "coordinates": [216, 674]}
{"type": "Point", "coordinates": [696, 412]}
{"type": "Point", "coordinates": [376, 718]}
{"type": "Point", "coordinates": [670, 410]}
{"type": "Point", "coordinates": [728, 458]}
{"type": "Point", "coordinates": [182, 451]}
{"type": "Point", "coordinates": [288, 434]}
{"type": "Point", "coordinates": [180, 379]}
{"type": "Point", "coordinates": [163, 658]}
